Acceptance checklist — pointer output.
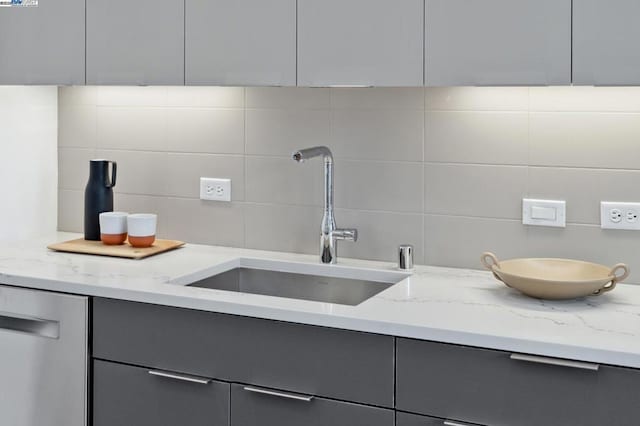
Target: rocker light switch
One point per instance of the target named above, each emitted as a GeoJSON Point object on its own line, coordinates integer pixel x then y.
{"type": "Point", "coordinates": [544, 213]}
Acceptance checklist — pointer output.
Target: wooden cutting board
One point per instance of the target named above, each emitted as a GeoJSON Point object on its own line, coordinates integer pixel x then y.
{"type": "Point", "coordinates": [83, 246]}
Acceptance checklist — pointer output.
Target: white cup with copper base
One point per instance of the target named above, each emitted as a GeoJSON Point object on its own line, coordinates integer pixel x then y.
{"type": "Point", "coordinates": [142, 229]}
{"type": "Point", "coordinates": [113, 228]}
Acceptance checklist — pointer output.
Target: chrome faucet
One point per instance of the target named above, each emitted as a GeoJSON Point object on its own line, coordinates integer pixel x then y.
{"type": "Point", "coordinates": [329, 233]}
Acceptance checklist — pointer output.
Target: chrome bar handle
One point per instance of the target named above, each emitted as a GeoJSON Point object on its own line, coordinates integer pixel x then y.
{"type": "Point", "coordinates": [180, 377]}
{"type": "Point", "coordinates": [305, 398]}
{"type": "Point", "coordinates": [555, 361]}
{"type": "Point", "coordinates": [452, 423]}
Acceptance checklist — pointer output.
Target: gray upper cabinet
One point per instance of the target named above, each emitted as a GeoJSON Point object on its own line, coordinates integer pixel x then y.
{"type": "Point", "coordinates": [606, 40]}
{"type": "Point", "coordinates": [135, 43]}
{"type": "Point", "coordinates": [44, 44]}
{"type": "Point", "coordinates": [241, 42]}
{"type": "Point", "coordinates": [498, 42]}
{"type": "Point", "coordinates": [360, 42]}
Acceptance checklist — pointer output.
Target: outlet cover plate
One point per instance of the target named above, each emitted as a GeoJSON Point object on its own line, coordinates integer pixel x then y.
{"type": "Point", "coordinates": [544, 212]}
{"type": "Point", "coordinates": [620, 215]}
{"type": "Point", "coordinates": [214, 189]}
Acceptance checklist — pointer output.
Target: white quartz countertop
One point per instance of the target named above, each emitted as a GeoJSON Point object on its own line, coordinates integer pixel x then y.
{"type": "Point", "coordinates": [458, 306]}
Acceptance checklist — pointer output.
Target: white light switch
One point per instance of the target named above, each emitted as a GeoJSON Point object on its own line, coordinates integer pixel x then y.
{"type": "Point", "coordinates": [544, 213]}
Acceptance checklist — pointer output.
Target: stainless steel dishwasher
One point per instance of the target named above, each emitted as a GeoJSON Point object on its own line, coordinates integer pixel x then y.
{"type": "Point", "coordinates": [43, 358]}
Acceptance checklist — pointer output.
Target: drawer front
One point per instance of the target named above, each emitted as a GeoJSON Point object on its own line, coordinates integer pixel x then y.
{"type": "Point", "coordinates": [252, 406]}
{"type": "Point", "coordinates": [311, 360]}
{"type": "Point", "coordinates": [489, 387]}
{"type": "Point", "coordinates": [125, 395]}
{"type": "Point", "coordinates": [406, 419]}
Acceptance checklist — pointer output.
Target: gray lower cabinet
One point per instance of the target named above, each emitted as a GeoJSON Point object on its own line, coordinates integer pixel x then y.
{"type": "Point", "coordinates": [498, 42]}
{"type": "Point", "coordinates": [252, 406]}
{"type": "Point", "coordinates": [360, 42]}
{"type": "Point", "coordinates": [499, 388]}
{"type": "Point", "coordinates": [323, 362]}
{"type": "Point", "coordinates": [240, 42]}
{"type": "Point", "coordinates": [135, 43]}
{"type": "Point", "coordinates": [132, 396]}
{"type": "Point", "coordinates": [606, 36]}
{"type": "Point", "coordinates": [44, 44]}
{"type": "Point", "coordinates": [406, 419]}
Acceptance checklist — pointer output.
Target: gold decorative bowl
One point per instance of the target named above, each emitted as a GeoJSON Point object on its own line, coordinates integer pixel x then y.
{"type": "Point", "coordinates": [555, 279]}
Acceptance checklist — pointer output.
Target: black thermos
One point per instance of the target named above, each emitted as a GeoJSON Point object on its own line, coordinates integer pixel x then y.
{"type": "Point", "coordinates": [98, 196]}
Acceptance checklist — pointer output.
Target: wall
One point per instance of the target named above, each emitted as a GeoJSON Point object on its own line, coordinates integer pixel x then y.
{"type": "Point", "coordinates": [443, 169]}
{"type": "Point", "coordinates": [28, 166]}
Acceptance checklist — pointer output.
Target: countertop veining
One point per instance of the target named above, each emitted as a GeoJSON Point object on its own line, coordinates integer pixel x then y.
{"type": "Point", "coordinates": [459, 306]}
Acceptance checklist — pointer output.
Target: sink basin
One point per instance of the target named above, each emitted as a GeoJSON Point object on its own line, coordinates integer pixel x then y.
{"type": "Point", "coordinates": [329, 284]}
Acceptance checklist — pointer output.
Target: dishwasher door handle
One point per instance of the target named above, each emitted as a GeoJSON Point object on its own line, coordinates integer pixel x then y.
{"type": "Point", "coordinates": [29, 325]}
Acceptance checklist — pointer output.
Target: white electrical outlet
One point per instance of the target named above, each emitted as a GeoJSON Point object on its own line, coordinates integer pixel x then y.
{"type": "Point", "coordinates": [215, 189]}
{"type": "Point", "coordinates": [619, 215]}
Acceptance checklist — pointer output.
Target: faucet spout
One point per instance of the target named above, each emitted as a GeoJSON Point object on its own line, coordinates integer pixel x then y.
{"type": "Point", "coordinates": [329, 233]}
{"type": "Point", "coordinates": [316, 151]}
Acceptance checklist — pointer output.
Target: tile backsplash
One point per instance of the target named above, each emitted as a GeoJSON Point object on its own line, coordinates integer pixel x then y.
{"type": "Point", "coordinates": [444, 169]}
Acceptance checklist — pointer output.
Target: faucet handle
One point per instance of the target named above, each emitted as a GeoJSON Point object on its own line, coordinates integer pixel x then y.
{"type": "Point", "coordinates": [346, 234]}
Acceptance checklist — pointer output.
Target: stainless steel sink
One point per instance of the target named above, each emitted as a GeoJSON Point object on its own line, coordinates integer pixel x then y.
{"type": "Point", "coordinates": [293, 285]}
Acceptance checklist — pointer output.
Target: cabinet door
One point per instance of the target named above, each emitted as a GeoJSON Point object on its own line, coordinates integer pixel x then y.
{"type": "Point", "coordinates": [254, 406]}
{"type": "Point", "coordinates": [497, 42]}
{"type": "Point", "coordinates": [133, 396]}
{"type": "Point", "coordinates": [135, 43]}
{"type": "Point", "coordinates": [360, 42]}
{"type": "Point", "coordinates": [43, 44]}
{"type": "Point", "coordinates": [499, 388]}
{"type": "Point", "coordinates": [606, 42]}
{"type": "Point", "coordinates": [340, 364]}
{"type": "Point", "coordinates": [241, 42]}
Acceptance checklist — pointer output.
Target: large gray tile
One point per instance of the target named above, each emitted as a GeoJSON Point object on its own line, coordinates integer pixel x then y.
{"type": "Point", "coordinates": [585, 98]}
{"type": "Point", "coordinates": [283, 228]}
{"type": "Point", "coordinates": [77, 95]}
{"type": "Point", "coordinates": [380, 234]}
{"type": "Point", "coordinates": [378, 134]}
{"type": "Point", "coordinates": [585, 140]}
{"type": "Point", "coordinates": [368, 185]}
{"type": "Point", "coordinates": [132, 128]}
{"type": "Point", "coordinates": [185, 170]}
{"type": "Point", "coordinates": [287, 97]}
{"type": "Point", "coordinates": [460, 241]}
{"type": "Point", "coordinates": [281, 131]}
{"type": "Point", "coordinates": [219, 97]}
{"type": "Point", "coordinates": [77, 126]}
{"type": "Point", "coordinates": [132, 203]}
{"type": "Point", "coordinates": [18, 97]}
{"type": "Point", "coordinates": [73, 167]}
{"type": "Point", "coordinates": [378, 98]}
{"type": "Point", "coordinates": [587, 242]}
{"type": "Point", "coordinates": [215, 131]}
{"type": "Point", "coordinates": [70, 211]}
{"type": "Point", "coordinates": [475, 190]}
{"type": "Point", "coordinates": [132, 96]}
{"type": "Point", "coordinates": [584, 189]}
{"type": "Point", "coordinates": [476, 137]}
{"type": "Point", "coordinates": [139, 172]}
{"type": "Point", "coordinates": [283, 181]}
{"type": "Point", "coordinates": [477, 98]}
{"type": "Point", "coordinates": [205, 222]}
